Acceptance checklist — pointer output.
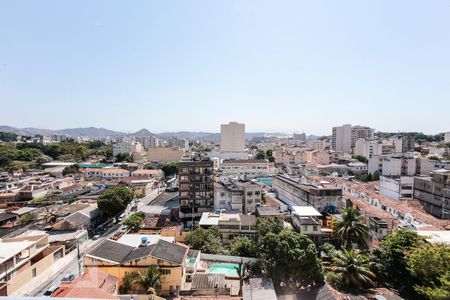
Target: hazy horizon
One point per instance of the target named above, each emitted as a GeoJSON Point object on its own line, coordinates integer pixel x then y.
{"type": "Point", "coordinates": [284, 66]}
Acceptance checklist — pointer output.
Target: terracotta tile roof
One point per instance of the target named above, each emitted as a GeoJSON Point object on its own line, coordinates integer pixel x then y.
{"type": "Point", "coordinates": [403, 208]}
{"type": "Point", "coordinates": [94, 284]}
{"type": "Point", "coordinates": [148, 172]}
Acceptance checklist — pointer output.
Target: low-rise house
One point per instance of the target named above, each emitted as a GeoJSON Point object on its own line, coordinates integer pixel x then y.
{"type": "Point", "coordinates": [117, 259]}
{"type": "Point", "coordinates": [307, 220]}
{"type": "Point", "coordinates": [87, 218]}
{"type": "Point", "coordinates": [156, 174]}
{"type": "Point", "coordinates": [24, 257]}
{"type": "Point", "coordinates": [268, 212]}
{"type": "Point", "coordinates": [230, 224]}
{"type": "Point", "coordinates": [106, 173]}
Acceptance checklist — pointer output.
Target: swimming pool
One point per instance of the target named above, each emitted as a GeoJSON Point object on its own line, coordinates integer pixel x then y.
{"type": "Point", "coordinates": [223, 268]}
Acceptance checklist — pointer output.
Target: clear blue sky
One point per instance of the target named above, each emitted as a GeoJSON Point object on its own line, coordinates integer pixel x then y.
{"type": "Point", "coordinates": [191, 65]}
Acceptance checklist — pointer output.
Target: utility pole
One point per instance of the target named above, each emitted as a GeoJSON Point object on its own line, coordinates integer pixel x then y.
{"type": "Point", "coordinates": [78, 257]}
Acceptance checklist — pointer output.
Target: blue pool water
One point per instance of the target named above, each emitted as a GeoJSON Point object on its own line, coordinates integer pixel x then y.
{"type": "Point", "coordinates": [223, 268]}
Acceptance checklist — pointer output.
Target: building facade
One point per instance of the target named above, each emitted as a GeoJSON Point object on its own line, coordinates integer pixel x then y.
{"type": "Point", "coordinates": [248, 168]}
{"type": "Point", "coordinates": [237, 195]}
{"type": "Point", "coordinates": [196, 192]}
{"type": "Point", "coordinates": [434, 193]}
{"type": "Point", "coordinates": [342, 138]}
{"type": "Point", "coordinates": [397, 187]}
{"type": "Point", "coordinates": [294, 193]}
{"type": "Point", "coordinates": [232, 137]}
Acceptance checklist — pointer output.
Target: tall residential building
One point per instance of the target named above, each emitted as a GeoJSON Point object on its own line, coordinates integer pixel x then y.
{"type": "Point", "coordinates": [232, 137]}
{"type": "Point", "coordinates": [342, 138]}
{"type": "Point", "coordinates": [299, 137]}
{"type": "Point", "coordinates": [361, 132]}
{"type": "Point", "coordinates": [175, 142]}
{"type": "Point", "coordinates": [129, 147]}
{"type": "Point", "coordinates": [148, 141]}
{"type": "Point", "coordinates": [196, 191]}
{"type": "Point", "coordinates": [434, 193]}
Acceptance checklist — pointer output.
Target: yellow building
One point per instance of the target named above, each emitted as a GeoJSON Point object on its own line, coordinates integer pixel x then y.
{"type": "Point", "coordinates": [117, 259]}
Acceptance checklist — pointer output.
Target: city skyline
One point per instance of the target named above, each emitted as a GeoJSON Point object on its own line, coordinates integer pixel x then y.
{"type": "Point", "coordinates": [108, 64]}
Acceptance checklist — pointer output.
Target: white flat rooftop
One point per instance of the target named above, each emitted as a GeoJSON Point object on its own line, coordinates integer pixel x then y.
{"type": "Point", "coordinates": [134, 240]}
{"type": "Point", "coordinates": [209, 219]}
{"type": "Point", "coordinates": [10, 249]}
{"type": "Point", "coordinates": [436, 237]}
{"type": "Point", "coordinates": [305, 211]}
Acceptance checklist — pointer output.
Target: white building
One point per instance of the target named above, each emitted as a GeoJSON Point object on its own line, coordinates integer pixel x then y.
{"type": "Point", "coordinates": [370, 147]}
{"type": "Point", "coordinates": [129, 147]}
{"type": "Point", "coordinates": [174, 142]}
{"type": "Point", "coordinates": [447, 137]}
{"type": "Point", "coordinates": [250, 168]}
{"type": "Point", "coordinates": [232, 137]}
{"type": "Point", "coordinates": [237, 195]}
{"type": "Point", "coordinates": [148, 141]}
{"type": "Point", "coordinates": [342, 138]}
{"type": "Point", "coordinates": [397, 187]}
{"type": "Point", "coordinates": [399, 165]}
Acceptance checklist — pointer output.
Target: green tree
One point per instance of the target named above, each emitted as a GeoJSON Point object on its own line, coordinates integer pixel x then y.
{"type": "Point", "coordinates": [127, 282]}
{"type": "Point", "coordinates": [96, 144]}
{"type": "Point", "coordinates": [376, 175]}
{"type": "Point", "coordinates": [8, 136]}
{"type": "Point", "coordinates": [114, 200]}
{"type": "Point", "coordinates": [27, 218]}
{"type": "Point", "coordinates": [150, 281]}
{"type": "Point", "coordinates": [349, 227]}
{"type": "Point", "coordinates": [261, 155]}
{"type": "Point", "coordinates": [206, 240]}
{"type": "Point", "coordinates": [392, 262]}
{"type": "Point", "coordinates": [170, 169]}
{"type": "Point", "coordinates": [361, 158]}
{"type": "Point", "coordinates": [123, 157]}
{"type": "Point", "coordinates": [369, 177]}
{"type": "Point", "coordinates": [73, 169]}
{"type": "Point", "coordinates": [134, 221]}
{"type": "Point", "coordinates": [430, 265]}
{"type": "Point", "coordinates": [268, 225]}
{"type": "Point", "coordinates": [353, 269]}
{"type": "Point", "coordinates": [243, 246]}
{"type": "Point", "coordinates": [290, 258]}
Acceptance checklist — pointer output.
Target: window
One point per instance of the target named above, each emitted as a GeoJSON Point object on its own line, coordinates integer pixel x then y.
{"type": "Point", "coordinates": [33, 272]}
{"type": "Point", "coordinates": [164, 271]}
{"type": "Point", "coordinates": [315, 228]}
{"type": "Point", "coordinates": [249, 193]}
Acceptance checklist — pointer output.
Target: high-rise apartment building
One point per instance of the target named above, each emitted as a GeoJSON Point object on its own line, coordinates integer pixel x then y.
{"type": "Point", "coordinates": [232, 137]}
{"type": "Point", "coordinates": [299, 137]}
{"type": "Point", "coordinates": [447, 137]}
{"type": "Point", "coordinates": [196, 191]}
{"type": "Point", "coordinates": [342, 138]}
{"type": "Point", "coordinates": [361, 132]}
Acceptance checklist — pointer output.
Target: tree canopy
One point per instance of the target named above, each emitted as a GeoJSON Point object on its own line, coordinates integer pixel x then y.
{"type": "Point", "coordinates": [114, 200]}
{"type": "Point", "coordinates": [350, 227]}
{"type": "Point", "coordinates": [206, 240]}
{"type": "Point", "coordinates": [134, 221]}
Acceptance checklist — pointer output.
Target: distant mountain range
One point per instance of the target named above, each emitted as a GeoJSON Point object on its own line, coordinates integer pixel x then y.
{"type": "Point", "coordinates": [102, 132]}
{"type": "Point", "coordinates": [73, 132]}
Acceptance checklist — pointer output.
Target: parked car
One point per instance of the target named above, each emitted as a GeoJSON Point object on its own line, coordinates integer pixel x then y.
{"type": "Point", "coordinates": [51, 290]}
{"type": "Point", "coordinates": [68, 277]}
{"type": "Point", "coordinates": [96, 237]}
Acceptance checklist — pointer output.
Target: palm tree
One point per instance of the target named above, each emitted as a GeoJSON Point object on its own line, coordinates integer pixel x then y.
{"type": "Point", "coordinates": [350, 227]}
{"type": "Point", "coordinates": [150, 281]}
{"type": "Point", "coordinates": [127, 282]}
{"type": "Point", "coordinates": [353, 268]}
